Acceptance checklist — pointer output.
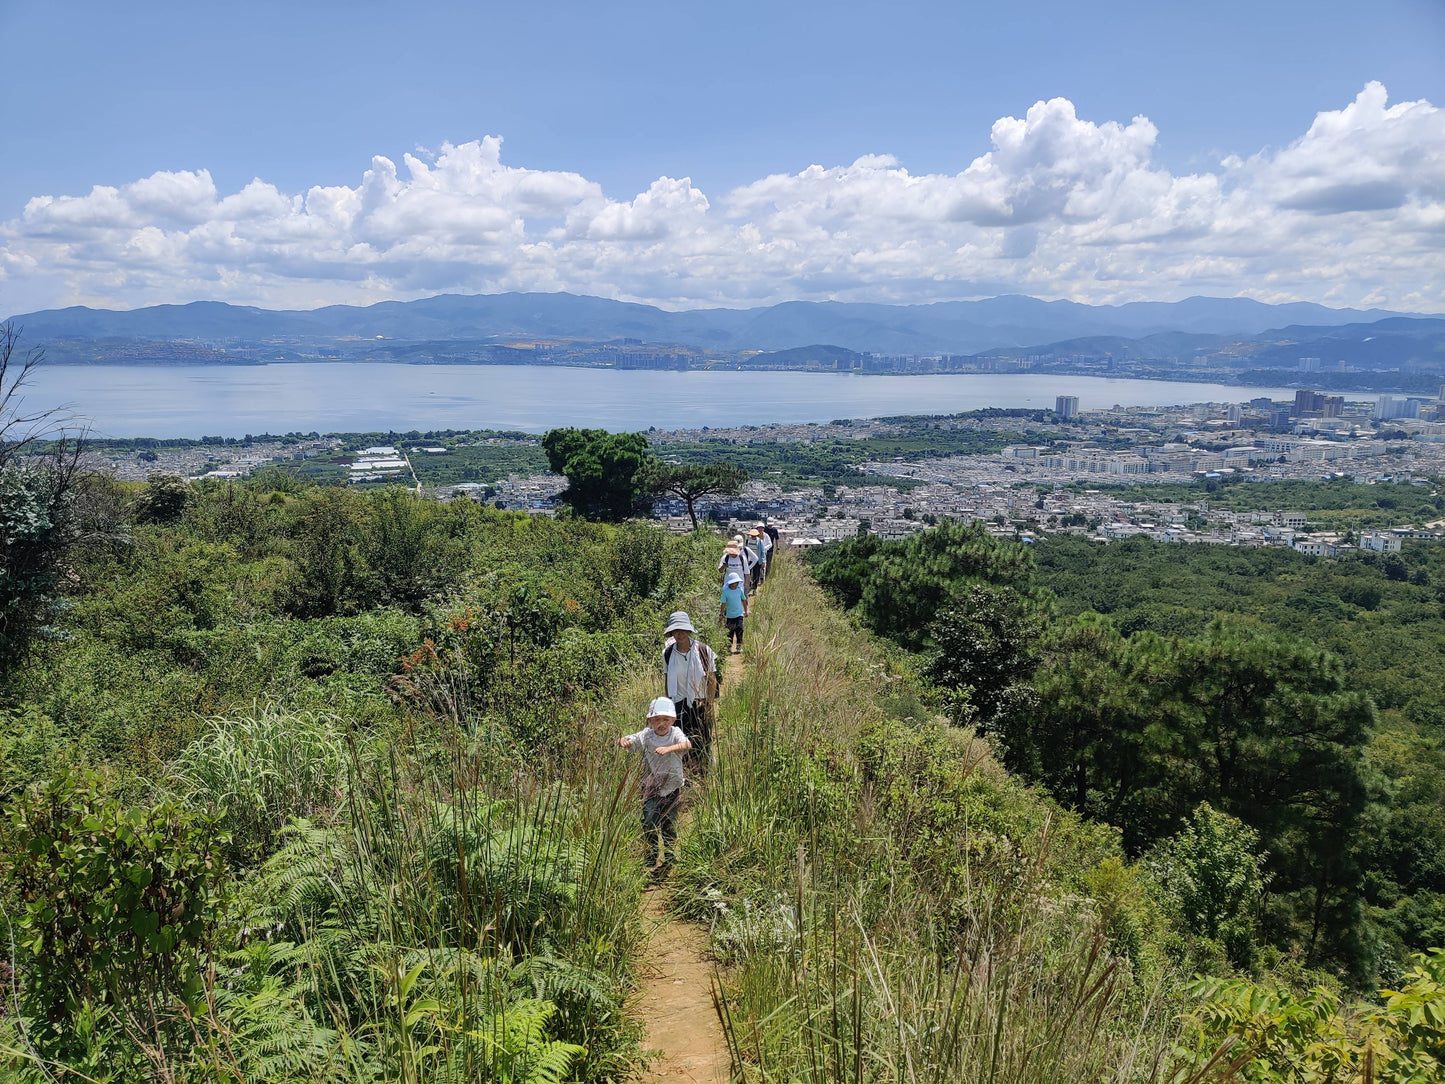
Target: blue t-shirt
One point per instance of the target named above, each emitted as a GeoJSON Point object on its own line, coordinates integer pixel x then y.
{"type": "Point", "coordinates": [733, 599]}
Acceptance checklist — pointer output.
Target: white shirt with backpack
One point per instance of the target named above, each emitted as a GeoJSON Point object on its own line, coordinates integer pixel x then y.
{"type": "Point", "coordinates": [741, 563]}
{"type": "Point", "coordinates": [687, 673]}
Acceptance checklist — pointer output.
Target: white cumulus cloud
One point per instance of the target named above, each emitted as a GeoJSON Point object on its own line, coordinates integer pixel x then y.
{"type": "Point", "coordinates": [1351, 212]}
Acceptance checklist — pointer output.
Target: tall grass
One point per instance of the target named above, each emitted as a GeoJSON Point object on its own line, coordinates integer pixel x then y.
{"type": "Point", "coordinates": [263, 769]}
{"type": "Point", "coordinates": [885, 903]}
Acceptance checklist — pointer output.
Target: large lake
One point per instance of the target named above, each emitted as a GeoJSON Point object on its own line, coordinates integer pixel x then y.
{"type": "Point", "coordinates": [230, 401]}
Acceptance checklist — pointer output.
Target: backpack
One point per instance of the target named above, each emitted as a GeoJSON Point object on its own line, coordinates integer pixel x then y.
{"type": "Point", "coordinates": [709, 661]}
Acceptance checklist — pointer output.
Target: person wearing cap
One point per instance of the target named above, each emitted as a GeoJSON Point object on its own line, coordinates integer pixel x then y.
{"type": "Point", "coordinates": [662, 744]}
{"type": "Point", "coordinates": [772, 533]}
{"type": "Point", "coordinates": [732, 609]}
{"type": "Point", "coordinates": [690, 667]}
{"type": "Point", "coordinates": [736, 558]}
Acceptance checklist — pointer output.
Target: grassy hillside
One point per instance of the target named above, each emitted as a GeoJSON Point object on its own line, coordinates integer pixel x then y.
{"type": "Point", "coordinates": [888, 903]}
{"type": "Point", "coordinates": [307, 785]}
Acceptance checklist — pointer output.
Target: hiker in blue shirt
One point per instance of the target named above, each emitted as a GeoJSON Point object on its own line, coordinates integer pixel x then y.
{"type": "Point", "coordinates": [733, 609]}
{"type": "Point", "coordinates": [758, 548]}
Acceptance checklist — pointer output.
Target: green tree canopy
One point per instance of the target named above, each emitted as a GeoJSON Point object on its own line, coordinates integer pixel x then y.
{"type": "Point", "coordinates": [601, 469]}
{"type": "Point", "coordinates": [985, 645]}
{"type": "Point", "coordinates": [1140, 731]}
{"type": "Point", "coordinates": [690, 482]}
{"type": "Point", "coordinates": [39, 470]}
{"type": "Point", "coordinates": [900, 588]}
{"type": "Point", "coordinates": [163, 500]}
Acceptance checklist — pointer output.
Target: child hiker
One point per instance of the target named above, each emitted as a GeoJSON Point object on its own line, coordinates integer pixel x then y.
{"type": "Point", "coordinates": [733, 609]}
{"type": "Point", "coordinates": [662, 744]}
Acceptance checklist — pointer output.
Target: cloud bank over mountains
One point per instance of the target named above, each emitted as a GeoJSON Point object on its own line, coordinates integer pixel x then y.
{"type": "Point", "coordinates": [1350, 213]}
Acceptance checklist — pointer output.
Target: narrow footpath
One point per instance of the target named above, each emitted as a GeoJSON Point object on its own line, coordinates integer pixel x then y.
{"type": "Point", "coordinates": [676, 1001]}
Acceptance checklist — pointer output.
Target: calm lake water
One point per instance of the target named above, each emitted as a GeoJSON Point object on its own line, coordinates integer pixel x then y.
{"type": "Point", "coordinates": [230, 401]}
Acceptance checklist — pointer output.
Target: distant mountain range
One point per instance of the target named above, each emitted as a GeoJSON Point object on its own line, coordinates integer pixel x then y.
{"type": "Point", "coordinates": [1009, 323]}
{"type": "Point", "coordinates": [1377, 345]}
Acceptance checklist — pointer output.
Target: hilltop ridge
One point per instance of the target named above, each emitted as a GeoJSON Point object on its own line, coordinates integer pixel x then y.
{"type": "Point", "coordinates": [957, 327]}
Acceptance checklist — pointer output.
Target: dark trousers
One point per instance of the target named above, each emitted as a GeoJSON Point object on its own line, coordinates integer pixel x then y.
{"type": "Point", "coordinates": [735, 634]}
{"type": "Point", "coordinates": [760, 572]}
{"type": "Point", "coordinates": [694, 720]}
{"type": "Point", "coordinates": [659, 814]}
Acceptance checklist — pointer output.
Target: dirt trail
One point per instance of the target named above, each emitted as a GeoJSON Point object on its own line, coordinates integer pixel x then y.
{"type": "Point", "coordinates": [676, 1001]}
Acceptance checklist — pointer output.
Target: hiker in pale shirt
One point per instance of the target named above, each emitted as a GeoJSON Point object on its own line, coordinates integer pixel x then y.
{"type": "Point", "coordinates": [735, 560]}
{"type": "Point", "coordinates": [733, 609]}
{"type": "Point", "coordinates": [662, 743]}
{"type": "Point", "coordinates": [760, 554]}
{"type": "Point", "coordinates": [691, 670]}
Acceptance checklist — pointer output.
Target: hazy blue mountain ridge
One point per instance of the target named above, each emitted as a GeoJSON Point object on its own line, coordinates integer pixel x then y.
{"type": "Point", "coordinates": [954, 327]}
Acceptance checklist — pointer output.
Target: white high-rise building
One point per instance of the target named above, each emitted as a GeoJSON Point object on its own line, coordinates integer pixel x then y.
{"type": "Point", "coordinates": [1067, 406]}
{"type": "Point", "coordinates": [1389, 408]}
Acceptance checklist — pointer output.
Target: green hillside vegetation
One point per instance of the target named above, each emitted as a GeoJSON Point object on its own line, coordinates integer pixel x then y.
{"type": "Point", "coordinates": [887, 903]}
{"type": "Point", "coordinates": [1382, 617]}
{"type": "Point", "coordinates": [317, 791]}
{"type": "Point", "coordinates": [1138, 683]}
{"type": "Point", "coordinates": [311, 784]}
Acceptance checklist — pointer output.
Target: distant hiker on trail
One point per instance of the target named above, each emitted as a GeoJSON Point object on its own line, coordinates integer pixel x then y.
{"type": "Point", "coordinates": [662, 743]}
{"type": "Point", "coordinates": [691, 669]}
{"type": "Point", "coordinates": [733, 609]}
{"type": "Point", "coordinates": [758, 548]}
{"type": "Point", "coordinates": [772, 533]}
{"type": "Point", "coordinates": [735, 559]}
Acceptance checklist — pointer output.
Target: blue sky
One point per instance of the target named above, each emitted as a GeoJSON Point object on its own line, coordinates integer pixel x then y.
{"type": "Point", "coordinates": [305, 94]}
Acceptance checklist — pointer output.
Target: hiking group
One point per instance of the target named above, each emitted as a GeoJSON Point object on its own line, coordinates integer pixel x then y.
{"type": "Point", "coordinates": [676, 743]}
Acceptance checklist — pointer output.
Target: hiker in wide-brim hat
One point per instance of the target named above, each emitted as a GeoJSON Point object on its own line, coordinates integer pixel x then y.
{"type": "Point", "coordinates": [690, 668]}
{"type": "Point", "coordinates": [735, 559]}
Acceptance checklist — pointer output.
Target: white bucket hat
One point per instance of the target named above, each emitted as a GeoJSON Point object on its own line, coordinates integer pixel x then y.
{"type": "Point", "coordinates": [733, 578]}
{"type": "Point", "coordinates": [679, 620]}
{"type": "Point", "coordinates": [663, 705]}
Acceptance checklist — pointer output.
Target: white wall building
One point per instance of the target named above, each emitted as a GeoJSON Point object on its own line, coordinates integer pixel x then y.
{"type": "Point", "coordinates": [1380, 542]}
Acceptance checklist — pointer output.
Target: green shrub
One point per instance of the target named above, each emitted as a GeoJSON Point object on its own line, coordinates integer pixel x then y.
{"type": "Point", "coordinates": [119, 909]}
{"type": "Point", "coordinates": [1213, 872]}
{"type": "Point", "coordinates": [1263, 1034]}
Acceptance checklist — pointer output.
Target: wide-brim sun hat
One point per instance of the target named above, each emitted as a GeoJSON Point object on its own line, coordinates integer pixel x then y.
{"type": "Point", "coordinates": [754, 533]}
{"type": "Point", "coordinates": [733, 578]}
{"type": "Point", "coordinates": [679, 621]}
{"type": "Point", "coordinates": [663, 705]}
